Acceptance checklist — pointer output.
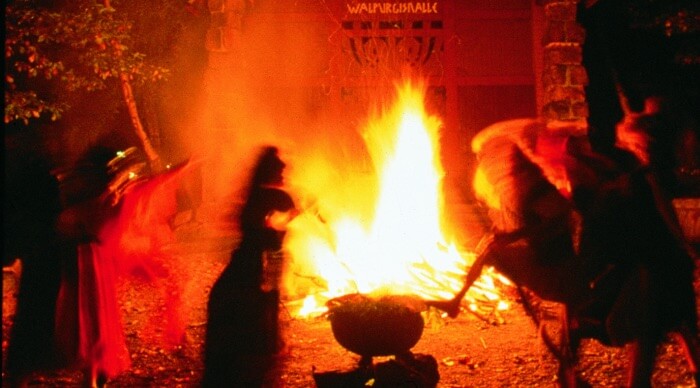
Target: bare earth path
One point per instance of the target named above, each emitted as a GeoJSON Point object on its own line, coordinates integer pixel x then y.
{"type": "Point", "coordinates": [470, 351]}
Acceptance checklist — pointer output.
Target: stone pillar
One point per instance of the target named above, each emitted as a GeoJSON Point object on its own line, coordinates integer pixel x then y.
{"type": "Point", "coordinates": [226, 24]}
{"type": "Point", "coordinates": [564, 77]}
{"type": "Point", "coordinates": [223, 112]}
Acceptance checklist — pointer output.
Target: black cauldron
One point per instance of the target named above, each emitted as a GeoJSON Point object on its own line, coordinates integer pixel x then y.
{"type": "Point", "coordinates": [367, 326]}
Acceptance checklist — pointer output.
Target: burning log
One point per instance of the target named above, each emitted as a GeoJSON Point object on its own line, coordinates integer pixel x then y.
{"type": "Point", "coordinates": [419, 371]}
{"type": "Point", "coordinates": [394, 206]}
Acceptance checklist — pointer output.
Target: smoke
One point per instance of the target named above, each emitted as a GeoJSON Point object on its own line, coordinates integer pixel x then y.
{"type": "Point", "coordinates": [275, 86]}
{"type": "Point", "coordinates": [268, 89]}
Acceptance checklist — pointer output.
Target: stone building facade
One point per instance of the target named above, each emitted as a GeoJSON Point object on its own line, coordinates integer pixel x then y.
{"type": "Point", "coordinates": [484, 61]}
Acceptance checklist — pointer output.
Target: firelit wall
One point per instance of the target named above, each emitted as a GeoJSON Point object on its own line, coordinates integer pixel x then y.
{"type": "Point", "coordinates": [332, 58]}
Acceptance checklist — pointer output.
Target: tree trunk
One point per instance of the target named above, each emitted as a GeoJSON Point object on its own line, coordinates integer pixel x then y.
{"type": "Point", "coordinates": [128, 93]}
{"type": "Point", "coordinates": [151, 154]}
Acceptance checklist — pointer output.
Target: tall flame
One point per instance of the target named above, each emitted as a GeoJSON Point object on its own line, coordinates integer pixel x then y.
{"type": "Point", "coordinates": [379, 231]}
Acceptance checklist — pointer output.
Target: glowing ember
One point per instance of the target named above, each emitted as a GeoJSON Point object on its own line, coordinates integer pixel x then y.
{"type": "Point", "coordinates": [380, 231]}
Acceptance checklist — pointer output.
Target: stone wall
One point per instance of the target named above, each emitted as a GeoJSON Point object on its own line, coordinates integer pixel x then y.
{"type": "Point", "coordinates": [564, 77]}
{"type": "Point", "coordinates": [563, 81]}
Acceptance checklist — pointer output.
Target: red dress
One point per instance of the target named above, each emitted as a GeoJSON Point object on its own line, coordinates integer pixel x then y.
{"type": "Point", "coordinates": [105, 238]}
{"type": "Point", "coordinates": [89, 328]}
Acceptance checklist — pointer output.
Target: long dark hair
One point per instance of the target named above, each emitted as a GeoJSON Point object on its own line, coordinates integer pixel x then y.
{"type": "Point", "coordinates": [268, 168]}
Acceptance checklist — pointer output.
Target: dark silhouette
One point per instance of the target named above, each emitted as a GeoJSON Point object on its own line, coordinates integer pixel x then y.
{"type": "Point", "coordinates": [31, 206]}
{"type": "Point", "coordinates": [243, 336]}
{"type": "Point", "coordinates": [609, 248]}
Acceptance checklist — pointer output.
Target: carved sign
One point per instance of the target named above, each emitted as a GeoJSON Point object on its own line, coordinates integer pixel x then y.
{"type": "Point", "coordinates": [393, 8]}
{"type": "Point", "coordinates": [391, 35]}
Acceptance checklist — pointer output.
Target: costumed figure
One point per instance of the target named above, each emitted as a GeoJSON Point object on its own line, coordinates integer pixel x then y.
{"type": "Point", "coordinates": [593, 231]}
{"type": "Point", "coordinates": [88, 323]}
{"type": "Point", "coordinates": [243, 334]}
{"type": "Point", "coordinates": [114, 224]}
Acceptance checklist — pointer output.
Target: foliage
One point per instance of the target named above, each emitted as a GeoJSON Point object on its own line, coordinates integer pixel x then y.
{"type": "Point", "coordinates": [671, 17]}
{"type": "Point", "coordinates": [677, 20]}
{"type": "Point", "coordinates": [82, 48]}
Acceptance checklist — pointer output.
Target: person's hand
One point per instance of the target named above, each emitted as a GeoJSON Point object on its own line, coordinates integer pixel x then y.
{"type": "Point", "coordinates": [278, 220]}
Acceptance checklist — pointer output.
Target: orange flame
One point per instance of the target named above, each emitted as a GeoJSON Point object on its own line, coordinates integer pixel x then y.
{"type": "Point", "coordinates": [377, 230]}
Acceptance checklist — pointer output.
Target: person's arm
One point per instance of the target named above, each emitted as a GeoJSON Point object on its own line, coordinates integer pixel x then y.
{"type": "Point", "coordinates": [483, 250]}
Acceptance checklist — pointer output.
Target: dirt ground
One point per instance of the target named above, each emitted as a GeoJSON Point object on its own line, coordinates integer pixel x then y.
{"type": "Point", "coordinates": [471, 351]}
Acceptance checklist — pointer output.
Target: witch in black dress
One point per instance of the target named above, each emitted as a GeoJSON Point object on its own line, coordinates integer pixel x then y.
{"type": "Point", "coordinates": [243, 335]}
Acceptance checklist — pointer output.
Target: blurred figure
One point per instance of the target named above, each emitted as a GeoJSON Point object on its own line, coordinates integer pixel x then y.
{"type": "Point", "coordinates": [663, 138]}
{"type": "Point", "coordinates": [607, 244]}
{"type": "Point", "coordinates": [88, 325]}
{"type": "Point", "coordinates": [243, 335]}
{"type": "Point", "coordinates": [77, 230]}
{"type": "Point", "coordinates": [30, 208]}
